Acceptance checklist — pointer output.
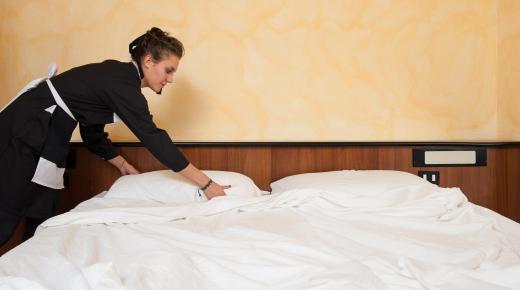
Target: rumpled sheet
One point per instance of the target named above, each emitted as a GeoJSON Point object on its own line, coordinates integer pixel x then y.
{"type": "Point", "coordinates": [412, 237]}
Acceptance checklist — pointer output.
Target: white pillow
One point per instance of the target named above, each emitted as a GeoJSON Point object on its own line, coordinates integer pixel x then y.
{"type": "Point", "coordinates": [359, 182]}
{"type": "Point", "coordinates": [166, 186]}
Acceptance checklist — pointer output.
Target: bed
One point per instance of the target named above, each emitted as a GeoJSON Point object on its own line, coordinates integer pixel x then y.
{"type": "Point", "coordinates": [347, 229]}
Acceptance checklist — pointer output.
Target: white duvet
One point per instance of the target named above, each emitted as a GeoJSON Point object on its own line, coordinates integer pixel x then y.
{"type": "Point", "coordinates": [412, 237]}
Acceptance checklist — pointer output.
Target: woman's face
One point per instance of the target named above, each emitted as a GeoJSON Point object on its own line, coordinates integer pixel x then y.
{"type": "Point", "coordinates": [159, 73]}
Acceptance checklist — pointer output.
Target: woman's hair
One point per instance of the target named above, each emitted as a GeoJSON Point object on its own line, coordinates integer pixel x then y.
{"type": "Point", "coordinates": [156, 42]}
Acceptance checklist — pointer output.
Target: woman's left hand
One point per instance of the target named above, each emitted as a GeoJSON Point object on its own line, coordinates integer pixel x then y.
{"type": "Point", "coordinates": [124, 167]}
{"type": "Point", "coordinates": [127, 169]}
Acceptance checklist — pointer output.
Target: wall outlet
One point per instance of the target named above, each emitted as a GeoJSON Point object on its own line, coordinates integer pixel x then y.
{"type": "Point", "coordinates": [432, 176]}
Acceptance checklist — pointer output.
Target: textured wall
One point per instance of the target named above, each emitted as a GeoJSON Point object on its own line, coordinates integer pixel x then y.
{"type": "Point", "coordinates": [509, 70]}
{"type": "Point", "coordinates": [302, 70]}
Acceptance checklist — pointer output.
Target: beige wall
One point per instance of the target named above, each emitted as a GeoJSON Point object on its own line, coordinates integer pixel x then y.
{"type": "Point", "coordinates": [294, 70]}
{"type": "Point", "coordinates": [509, 70]}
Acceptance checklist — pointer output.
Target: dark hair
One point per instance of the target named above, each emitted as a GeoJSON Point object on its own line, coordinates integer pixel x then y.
{"type": "Point", "coordinates": [156, 42]}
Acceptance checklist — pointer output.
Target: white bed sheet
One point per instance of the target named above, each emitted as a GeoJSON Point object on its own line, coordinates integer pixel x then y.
{"type": "Point", "coordinates": [412, 237]}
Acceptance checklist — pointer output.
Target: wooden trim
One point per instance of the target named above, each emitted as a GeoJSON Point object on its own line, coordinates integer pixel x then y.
{"type": "Point", "coordinates": [454, 144]}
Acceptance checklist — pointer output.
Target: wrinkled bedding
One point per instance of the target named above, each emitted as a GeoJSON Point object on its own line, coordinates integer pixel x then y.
{"type": "Point", "coordinates": [412, 237]}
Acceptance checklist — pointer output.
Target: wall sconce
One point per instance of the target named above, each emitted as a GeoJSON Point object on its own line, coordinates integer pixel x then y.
{"type": "Point", "coordinates": [435, 157]}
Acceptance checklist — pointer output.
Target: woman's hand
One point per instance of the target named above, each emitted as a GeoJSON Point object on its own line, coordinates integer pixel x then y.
{"type": "Point", "coordinates": [124, 167]}
{"type": "Point", "coordinates": [127, 169]}
{"type": "Point", "coordinates": [211, 189]}
{"type": "Point", "coordinates": [215, 189]}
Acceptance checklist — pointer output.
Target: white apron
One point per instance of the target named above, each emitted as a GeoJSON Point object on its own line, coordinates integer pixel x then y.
{"type": "Point", "coordinates": [47, 173]}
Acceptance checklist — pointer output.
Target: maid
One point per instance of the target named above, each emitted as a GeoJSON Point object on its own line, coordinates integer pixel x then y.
{"type": "Point", "coordinates": [36, 127]}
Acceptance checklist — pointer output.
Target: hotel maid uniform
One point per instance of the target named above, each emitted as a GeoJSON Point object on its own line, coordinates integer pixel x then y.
{"type": "Point", "coordinates": [36, 127]}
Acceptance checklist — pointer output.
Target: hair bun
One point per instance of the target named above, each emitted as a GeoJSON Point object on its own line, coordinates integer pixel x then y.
{"type": "Point", "coordinates": [132, 47]}
{"type": "Point", "coordinates": [156, 42]}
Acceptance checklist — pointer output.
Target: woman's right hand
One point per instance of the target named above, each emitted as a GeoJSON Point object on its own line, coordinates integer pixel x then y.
{"type": "Point", "coordinates": [210, 188]}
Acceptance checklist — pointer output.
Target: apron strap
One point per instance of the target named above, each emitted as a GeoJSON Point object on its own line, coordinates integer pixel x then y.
{"type": "Point", "coordinates": [59, 101]}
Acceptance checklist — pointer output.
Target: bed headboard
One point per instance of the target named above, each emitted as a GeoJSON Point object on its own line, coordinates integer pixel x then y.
{"type": "Point", "coordinates": [495, 185]}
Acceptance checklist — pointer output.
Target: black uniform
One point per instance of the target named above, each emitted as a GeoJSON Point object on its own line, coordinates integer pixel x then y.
{"type": "Point", "coordinates": [35, 133]}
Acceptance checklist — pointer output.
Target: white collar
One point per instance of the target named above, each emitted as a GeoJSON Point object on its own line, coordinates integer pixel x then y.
{"type": "Point", "coordinates": [137, 68]}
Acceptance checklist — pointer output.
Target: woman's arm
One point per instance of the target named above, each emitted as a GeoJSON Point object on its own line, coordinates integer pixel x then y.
{"type": "Point", "coordinates": [96, 140]}
{"type": "Point", "coordinates": [131, 106]}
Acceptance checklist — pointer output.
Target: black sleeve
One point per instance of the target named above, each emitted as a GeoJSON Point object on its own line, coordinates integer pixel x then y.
{"type": "Point", "coordinates": [97, 142]}
{"type": "Point", "coordinates": [131, 106]}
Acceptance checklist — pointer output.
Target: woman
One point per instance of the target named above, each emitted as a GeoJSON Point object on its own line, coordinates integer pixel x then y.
{"type": "Point", "coordinates": [36, 127]}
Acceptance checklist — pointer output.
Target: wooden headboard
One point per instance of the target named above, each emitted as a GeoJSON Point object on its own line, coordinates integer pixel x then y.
{"type": "Point", "coordinates": [495, 186]}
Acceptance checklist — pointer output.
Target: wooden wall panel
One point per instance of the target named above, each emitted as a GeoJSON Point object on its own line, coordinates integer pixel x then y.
{"type": "Point", "coordinates": [92, 175]}
{"type": "Point", "coordinates": [251, 161]}
{"type": "Point", "coordinates": [512, 187]}
{"type": "Point", "coordinates": [502, 180]}
{"type": "Point", "coordinates": [495, 186]}
{"type": "Point", "coordinates": [15, 239]}
{"type": "Point", "coordinates": [265, 164]}
{"type": "Point", "coordinates": [478, 183]}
